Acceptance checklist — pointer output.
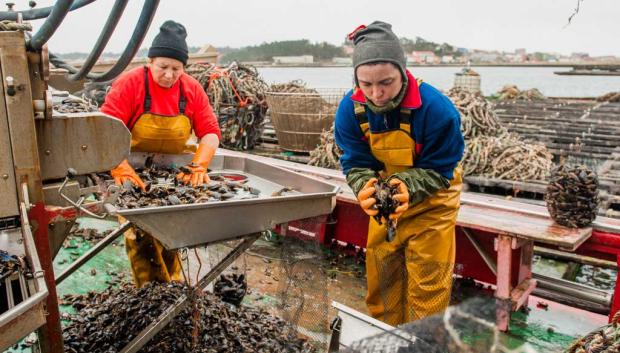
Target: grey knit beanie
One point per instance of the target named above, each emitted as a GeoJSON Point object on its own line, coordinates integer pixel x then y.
{"type": "Point", "coordinates": [377, 43]}
{"type": "Point", "coordinates": [170, 42]}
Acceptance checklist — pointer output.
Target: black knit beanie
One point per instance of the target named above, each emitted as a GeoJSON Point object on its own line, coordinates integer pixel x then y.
{"type": "Point", "coordinates": [170, 42]}
{"type": "Point", "coordinates": [377, 43]}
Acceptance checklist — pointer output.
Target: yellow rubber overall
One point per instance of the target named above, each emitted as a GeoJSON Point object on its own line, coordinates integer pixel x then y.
{"type": "Point", "coordinates": [410, 277]}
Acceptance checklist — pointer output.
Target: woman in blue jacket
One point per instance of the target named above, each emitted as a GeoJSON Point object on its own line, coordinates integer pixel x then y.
{"type": "Point", "coordinates": [396, 128]}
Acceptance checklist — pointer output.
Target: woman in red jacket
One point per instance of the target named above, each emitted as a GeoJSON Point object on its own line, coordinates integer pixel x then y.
{"type": "Point", "coordinates": [160, 104]}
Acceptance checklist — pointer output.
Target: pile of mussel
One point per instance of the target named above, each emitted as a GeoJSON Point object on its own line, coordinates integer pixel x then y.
{"type": "Point", "coordinates": [8, 264]}
{"type": "Point", "coordinates": [572, 196]}
{"type": "Point", "coordinates": [163, 189]}
{"type": "Point", "coordinates": [231, 288]}
{"type": "Point", "coordinates": [107, 321]}
{"type": "Point", "coordinates": [74, 105]}
{"type": "Point", "coordinates": [386, 205]}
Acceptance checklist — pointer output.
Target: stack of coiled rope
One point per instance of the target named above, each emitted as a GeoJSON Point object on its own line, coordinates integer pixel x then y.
{"type": "Point", "coordinates": [237, 95]}
{"type": "Point", "coordinates": [490, 150]}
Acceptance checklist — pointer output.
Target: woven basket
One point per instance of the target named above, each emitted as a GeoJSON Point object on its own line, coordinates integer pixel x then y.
{"type": "Point", "coordinates": [299, 118]}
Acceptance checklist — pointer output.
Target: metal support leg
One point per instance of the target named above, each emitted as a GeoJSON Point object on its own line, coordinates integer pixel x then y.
{"type": "Point", "coordinates": [50, 335]}
{"type": "Point", "coordinates": [504, 274]}
{"type": "Point", "coordinates": [283, 229]}
{"type": "Point", "coordinates": [510, 299]}
{"type": "Point", "coordinates": [102, 244]}
{"type": "Point", "coordinates": [525, 276]}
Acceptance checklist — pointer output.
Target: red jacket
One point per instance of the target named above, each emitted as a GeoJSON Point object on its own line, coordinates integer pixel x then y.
{"type": "Point", "coordinates": [125, 101]}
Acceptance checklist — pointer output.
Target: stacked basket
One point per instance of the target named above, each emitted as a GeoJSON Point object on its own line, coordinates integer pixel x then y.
{"type": "Point", "coordinates": [299, 117]}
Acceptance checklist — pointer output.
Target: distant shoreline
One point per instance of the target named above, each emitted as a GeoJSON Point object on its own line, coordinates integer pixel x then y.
{"type": "Point", "coordinates": [267, 65]}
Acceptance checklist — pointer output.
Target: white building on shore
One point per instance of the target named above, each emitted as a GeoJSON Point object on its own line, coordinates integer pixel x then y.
{"type": "Point", "coordinates": [293, 60]}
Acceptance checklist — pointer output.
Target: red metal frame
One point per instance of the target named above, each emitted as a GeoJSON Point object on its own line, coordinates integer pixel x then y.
{"type": "Point", "coordinates": [51, 332]}
{"type": "Point", "coordinates": [350, 225]}
{"type": "Point", "coordinates": [40, 216]}
{"type": "Point", "coordinates": [605, 245]}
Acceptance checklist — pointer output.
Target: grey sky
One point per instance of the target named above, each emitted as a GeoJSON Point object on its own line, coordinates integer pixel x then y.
{"type": "Point", "coordinates": [537, 25]}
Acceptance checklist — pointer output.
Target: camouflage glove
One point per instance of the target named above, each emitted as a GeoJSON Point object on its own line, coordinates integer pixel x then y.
{"type": "Point", "coordinates": [421, 183]}
{"type": "Point", "coordinates": [358, 177]}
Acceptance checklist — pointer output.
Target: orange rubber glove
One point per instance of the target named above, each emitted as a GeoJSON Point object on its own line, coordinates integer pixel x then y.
{"type": "Point", "coordinates": [199, 166]}
{"type": "Point", "coordinates": [125, 172]}
{"type": "Point", "coordinates": [365, 198]}
{"type": "Point", "coordinates": [402, 196]}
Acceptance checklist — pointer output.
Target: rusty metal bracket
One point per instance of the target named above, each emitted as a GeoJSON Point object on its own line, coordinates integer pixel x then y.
{"type": "Point", "coordinates": [71, 173]}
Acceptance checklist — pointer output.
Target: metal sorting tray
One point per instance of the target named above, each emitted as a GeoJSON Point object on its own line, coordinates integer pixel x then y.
{"type": "Point", "coordinates": [191, 225]}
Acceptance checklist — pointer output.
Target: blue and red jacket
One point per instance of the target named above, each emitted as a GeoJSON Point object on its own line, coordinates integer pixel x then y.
{"type": "Point", "coordinates": [435, 124]}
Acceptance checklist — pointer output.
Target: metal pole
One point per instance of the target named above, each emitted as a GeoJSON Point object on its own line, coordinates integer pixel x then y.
{"type": "Point", "coordinates": [92, 252]}
{"type": "Point", "coordinates": [486, 257]}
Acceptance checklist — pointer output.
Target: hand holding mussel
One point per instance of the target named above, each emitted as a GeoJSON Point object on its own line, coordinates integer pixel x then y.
{"type": "Point", "coordinates": [387, 205]}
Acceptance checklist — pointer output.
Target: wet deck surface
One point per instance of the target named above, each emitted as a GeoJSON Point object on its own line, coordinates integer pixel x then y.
{"type": "Point", "coordinates": [549, 327]}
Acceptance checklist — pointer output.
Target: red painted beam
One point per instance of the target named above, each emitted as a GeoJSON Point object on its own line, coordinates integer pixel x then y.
{"type": "Point", "coordinates": [50, 335]}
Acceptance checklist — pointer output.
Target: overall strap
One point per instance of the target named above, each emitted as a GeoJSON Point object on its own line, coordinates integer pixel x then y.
{"type": "Point", "coordinates": [182, 101]}
{"type": "Point", "coordinates": [361, 115]}
{"type": "Point", "coordinates": [147, 95]}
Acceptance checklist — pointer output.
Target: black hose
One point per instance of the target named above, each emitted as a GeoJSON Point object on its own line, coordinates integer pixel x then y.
{"type": "Point", "coordinates": [146, 16]}
{"type": "Point", "coordinates": [61, 64]}
{"type": "Point", "coordinates": [104, 37]}
{"type": "Point", "coordinates": [144, 22]}
{"type": "Point", "coordinates": [55, 18]}
{"type": "Point", "coordinates": [36, 14]}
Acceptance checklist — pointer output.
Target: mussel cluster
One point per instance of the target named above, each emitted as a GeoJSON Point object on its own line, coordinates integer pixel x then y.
{"type": "Point", "coordinates": [8, 264]}
{"type": "Point", "coordinates": [163, 189]}
{"type": "Point", "coordinates": [231, 288]}
{"type": "Point", "coordinates": [386, 205]}
{"type": "Point", "coordinates": [107, 321]}
{"type": "Point", "coordinates": [572, 196]}
{"type": "Point", "coordinates": [74, 105]}
{"type": "Point", "coordinates": [90, 235]}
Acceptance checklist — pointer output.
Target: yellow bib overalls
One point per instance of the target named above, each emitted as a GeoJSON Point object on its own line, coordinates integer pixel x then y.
{"type": "Point", "coordinates": [154, 133]}
{"type": "Point", "coordinates": [410, 277]}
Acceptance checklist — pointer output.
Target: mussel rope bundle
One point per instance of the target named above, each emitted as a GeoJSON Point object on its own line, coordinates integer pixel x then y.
{"type": "Point", "coordinates": [490, 150]}
{"type": "Point", "coordinates": [507, 157]}
{"type": "Point", "coordinates": [232, 85]}
{"type": "Point", "coordinates": [237, 87]}
{"type": "Point", "coordinates": [512, 92]}
{"type": "Point", "coordinates": [295, 86]}
{"type": "Point", "coordinates": [572, 196]}
{"type": "Point", "coordinates": [612, 97]}
{"type": "Point", "coordinates": [601, 340]}
{"type": "Point", "coordinates": [477, 115]}
{"type": "Point", "coordinates": [327, 153]}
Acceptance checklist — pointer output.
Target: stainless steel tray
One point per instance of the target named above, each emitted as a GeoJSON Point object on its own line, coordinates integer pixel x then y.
{"type": "Point", "coordinates": [197, 224]}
